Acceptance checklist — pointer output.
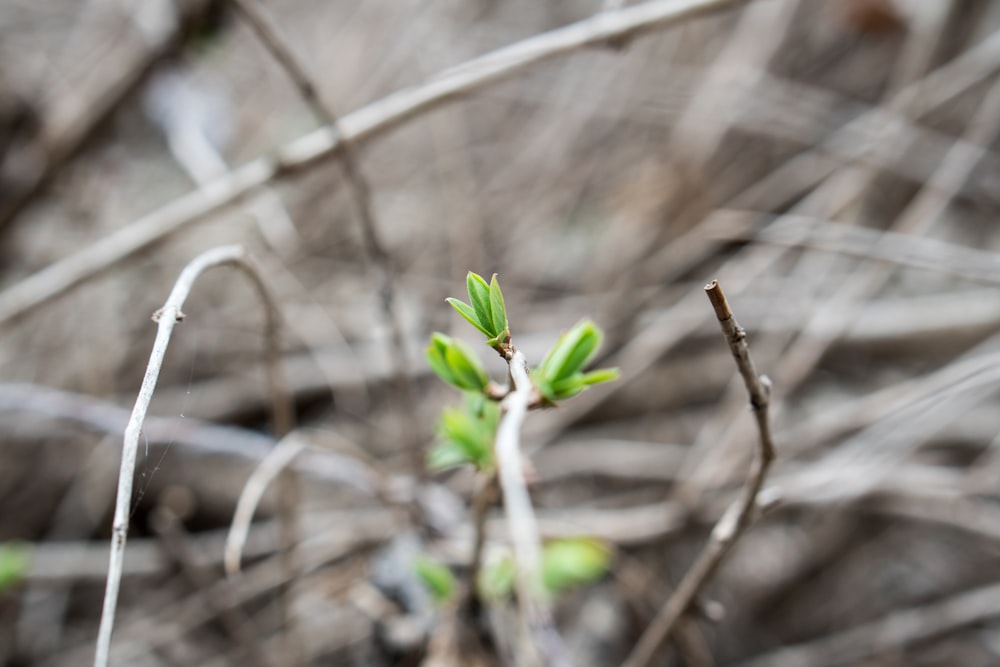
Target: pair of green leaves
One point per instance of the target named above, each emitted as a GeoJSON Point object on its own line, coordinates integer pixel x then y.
{"type": "Point", "coordinates": [486, 310]}
{"type": "Point", "coordinates": [466, 434]}
{"type": "Point", "coordinates": [454, 362]}
{"type": "Point", "coordinates": [561, 373]}
{"type": "Point", "coordinates": [566, 564]}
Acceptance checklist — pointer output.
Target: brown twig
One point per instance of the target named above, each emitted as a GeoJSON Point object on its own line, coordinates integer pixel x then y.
{"type": "Point", "coordinates": [167, 317]}
{"type": "Point", "coordinates": [178, 545]}
{"type": "Point", "coordinates": [737, 516]}
{"type": "Point", "coordinates": [270, 36]}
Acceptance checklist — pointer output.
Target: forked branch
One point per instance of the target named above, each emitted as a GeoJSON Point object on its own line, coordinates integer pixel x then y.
{"type": "Point", "coordinates": [738, 515]}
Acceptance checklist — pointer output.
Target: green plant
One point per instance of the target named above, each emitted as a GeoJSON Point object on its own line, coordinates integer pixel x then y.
{"type": "Point", "coordinates": [468, 434]}
{"type": "Point", "coordinates": [14, 564]}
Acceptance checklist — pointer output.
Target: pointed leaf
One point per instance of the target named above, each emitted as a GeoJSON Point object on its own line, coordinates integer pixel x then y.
{"type": "Point", "coordinates": [542, 385]}
{"type": "Point", "coordinates": [466, 311]}
{"type": "Point", "coordinates": [586, 344]}
{"type": "Point", "coordinates": [446, 455]}
{"type": "Point", "coordinates": [468, 433]}
{"type": "Point", "coordinates": [557, 357]}
{"type": "Point", "coordinates": [601, 375]}
{"type": "Point", "coordinates": [496, 579]}
{"type": "Point", "coordinates": [479, 297]}
{"type": "Point", "coordinates": [497, 308]}
{"type": "Point", "coordinates": [436, 577]}
{"type": "Point", "coordinates": [573, 562]}
{"type": "Point", "coordinates": [436, 357]}
{"type": "Point", "coordinates": [464, 365]}
{"type": "Point", "coordinates": [567, 387]}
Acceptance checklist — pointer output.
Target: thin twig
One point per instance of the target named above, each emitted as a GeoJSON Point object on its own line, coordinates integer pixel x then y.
{"type": "Point", "coordinates": [358, 127]}
{"type": "Point", "coordinates": [167, 317]}
{"type": "Point", "coordinates": [179, 546]}
{"type": "Point", "coordinates": [485, 497]}
{"type": "Point", "coordinates": [270, 36]}
{"type": "Point", "coordinates": [276, 461]}
{"type": "Point", "coordinates": [737, 516]}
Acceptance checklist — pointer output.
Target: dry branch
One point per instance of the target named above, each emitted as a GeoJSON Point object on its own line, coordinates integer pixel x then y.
{"type": "Point", "coordinates": [737, 517]}
{"type": "Point", "coordinates": [269, 34]}
{"type": "Point", "coordinates": [277, 460]}
{"type": "Point", "coordinates": [167, 317]}
{"type": "Point", "coordinates": [358, 127]}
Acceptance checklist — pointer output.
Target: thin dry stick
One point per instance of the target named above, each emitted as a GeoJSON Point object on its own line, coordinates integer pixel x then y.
{"type": "Point", "coordinates": [358, 127]}
{"type": "Point", "coordinates": [277, 460]}
{"type": "Point", "coordinates": [737, 516]}
{"type": "Point", "coordinates": [167, 317]}
{"type": "Point", "coordinates": [270, 36]}
{"type": "Point", "coordinates": [179, 546]}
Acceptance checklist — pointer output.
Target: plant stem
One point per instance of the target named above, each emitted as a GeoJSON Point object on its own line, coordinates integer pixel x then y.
{"type": "Point", "coordinates": [737, 516]}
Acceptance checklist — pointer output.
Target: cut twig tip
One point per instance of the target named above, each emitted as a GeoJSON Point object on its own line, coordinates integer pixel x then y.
{"type": "Point", "coordinates": [718, 299]}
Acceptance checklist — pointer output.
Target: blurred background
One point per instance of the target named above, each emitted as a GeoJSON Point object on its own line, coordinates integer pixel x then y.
{"type": "Point", "coordinates": [832, 163]}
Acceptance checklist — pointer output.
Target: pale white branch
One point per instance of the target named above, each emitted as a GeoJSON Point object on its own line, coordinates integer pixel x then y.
{"type": "Point", "coordinates": [166, 317]}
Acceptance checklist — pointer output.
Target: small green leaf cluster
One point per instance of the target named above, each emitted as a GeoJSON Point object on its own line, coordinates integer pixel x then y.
{"type": "Point", "coordinates": [566, 563]}
{"type": "Point", "coordinates": [14, 564]}
{"type": "Point", "coordinates": [466, 434]}
{"type": "Point", "coordinates": [485, 310]}
{"type": "Point", "coordinates": [561, 374]}
{"type": "Point", "coordinates": [455, 363]}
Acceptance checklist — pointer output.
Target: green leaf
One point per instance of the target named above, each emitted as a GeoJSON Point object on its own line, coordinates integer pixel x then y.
{"type": "Point", "coordinates": [585, 345]}
{"type": "Point", "coordinates": [465, 367]}
{"type": "Point", "coordinates": [573, 562]}
{"type": "Point", "coordinates": [446, 455]}
{"type": "Point", "coordinates": [458, 427]}
{"type": "Point", "coordinates": [466, 311]}
{"type": "Point", "coordinates": [437, 577]}
{"type": "Point", "coordinates": [479, 297]}
{"type": "Point", "coordinates": [556, 360]}
{"type": "Point", "coordinates": [498, 310]}
{"type": "Point", "coordinates": [436, 357]}
{"type": "Point", "coordinates": [14, 564]}
{"type": "Point", "coordinates": [496, 579]}
{"type": "Point", "coordinates": [471, 434]}
{"type": "Point", "coordinates": [566, 387]}
{"type": "Point", "coordinates": [600, 375]}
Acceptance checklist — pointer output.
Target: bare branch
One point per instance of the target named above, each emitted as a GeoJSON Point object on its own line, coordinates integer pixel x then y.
{"type": "Point", "coordinates": [277, 460]}
{"type": "Point", "coordinates": [737, 516]}
{"type": "Point", "coordinates": [167, 317]}
{"type": "Point", "coordinates": [269, 34]}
